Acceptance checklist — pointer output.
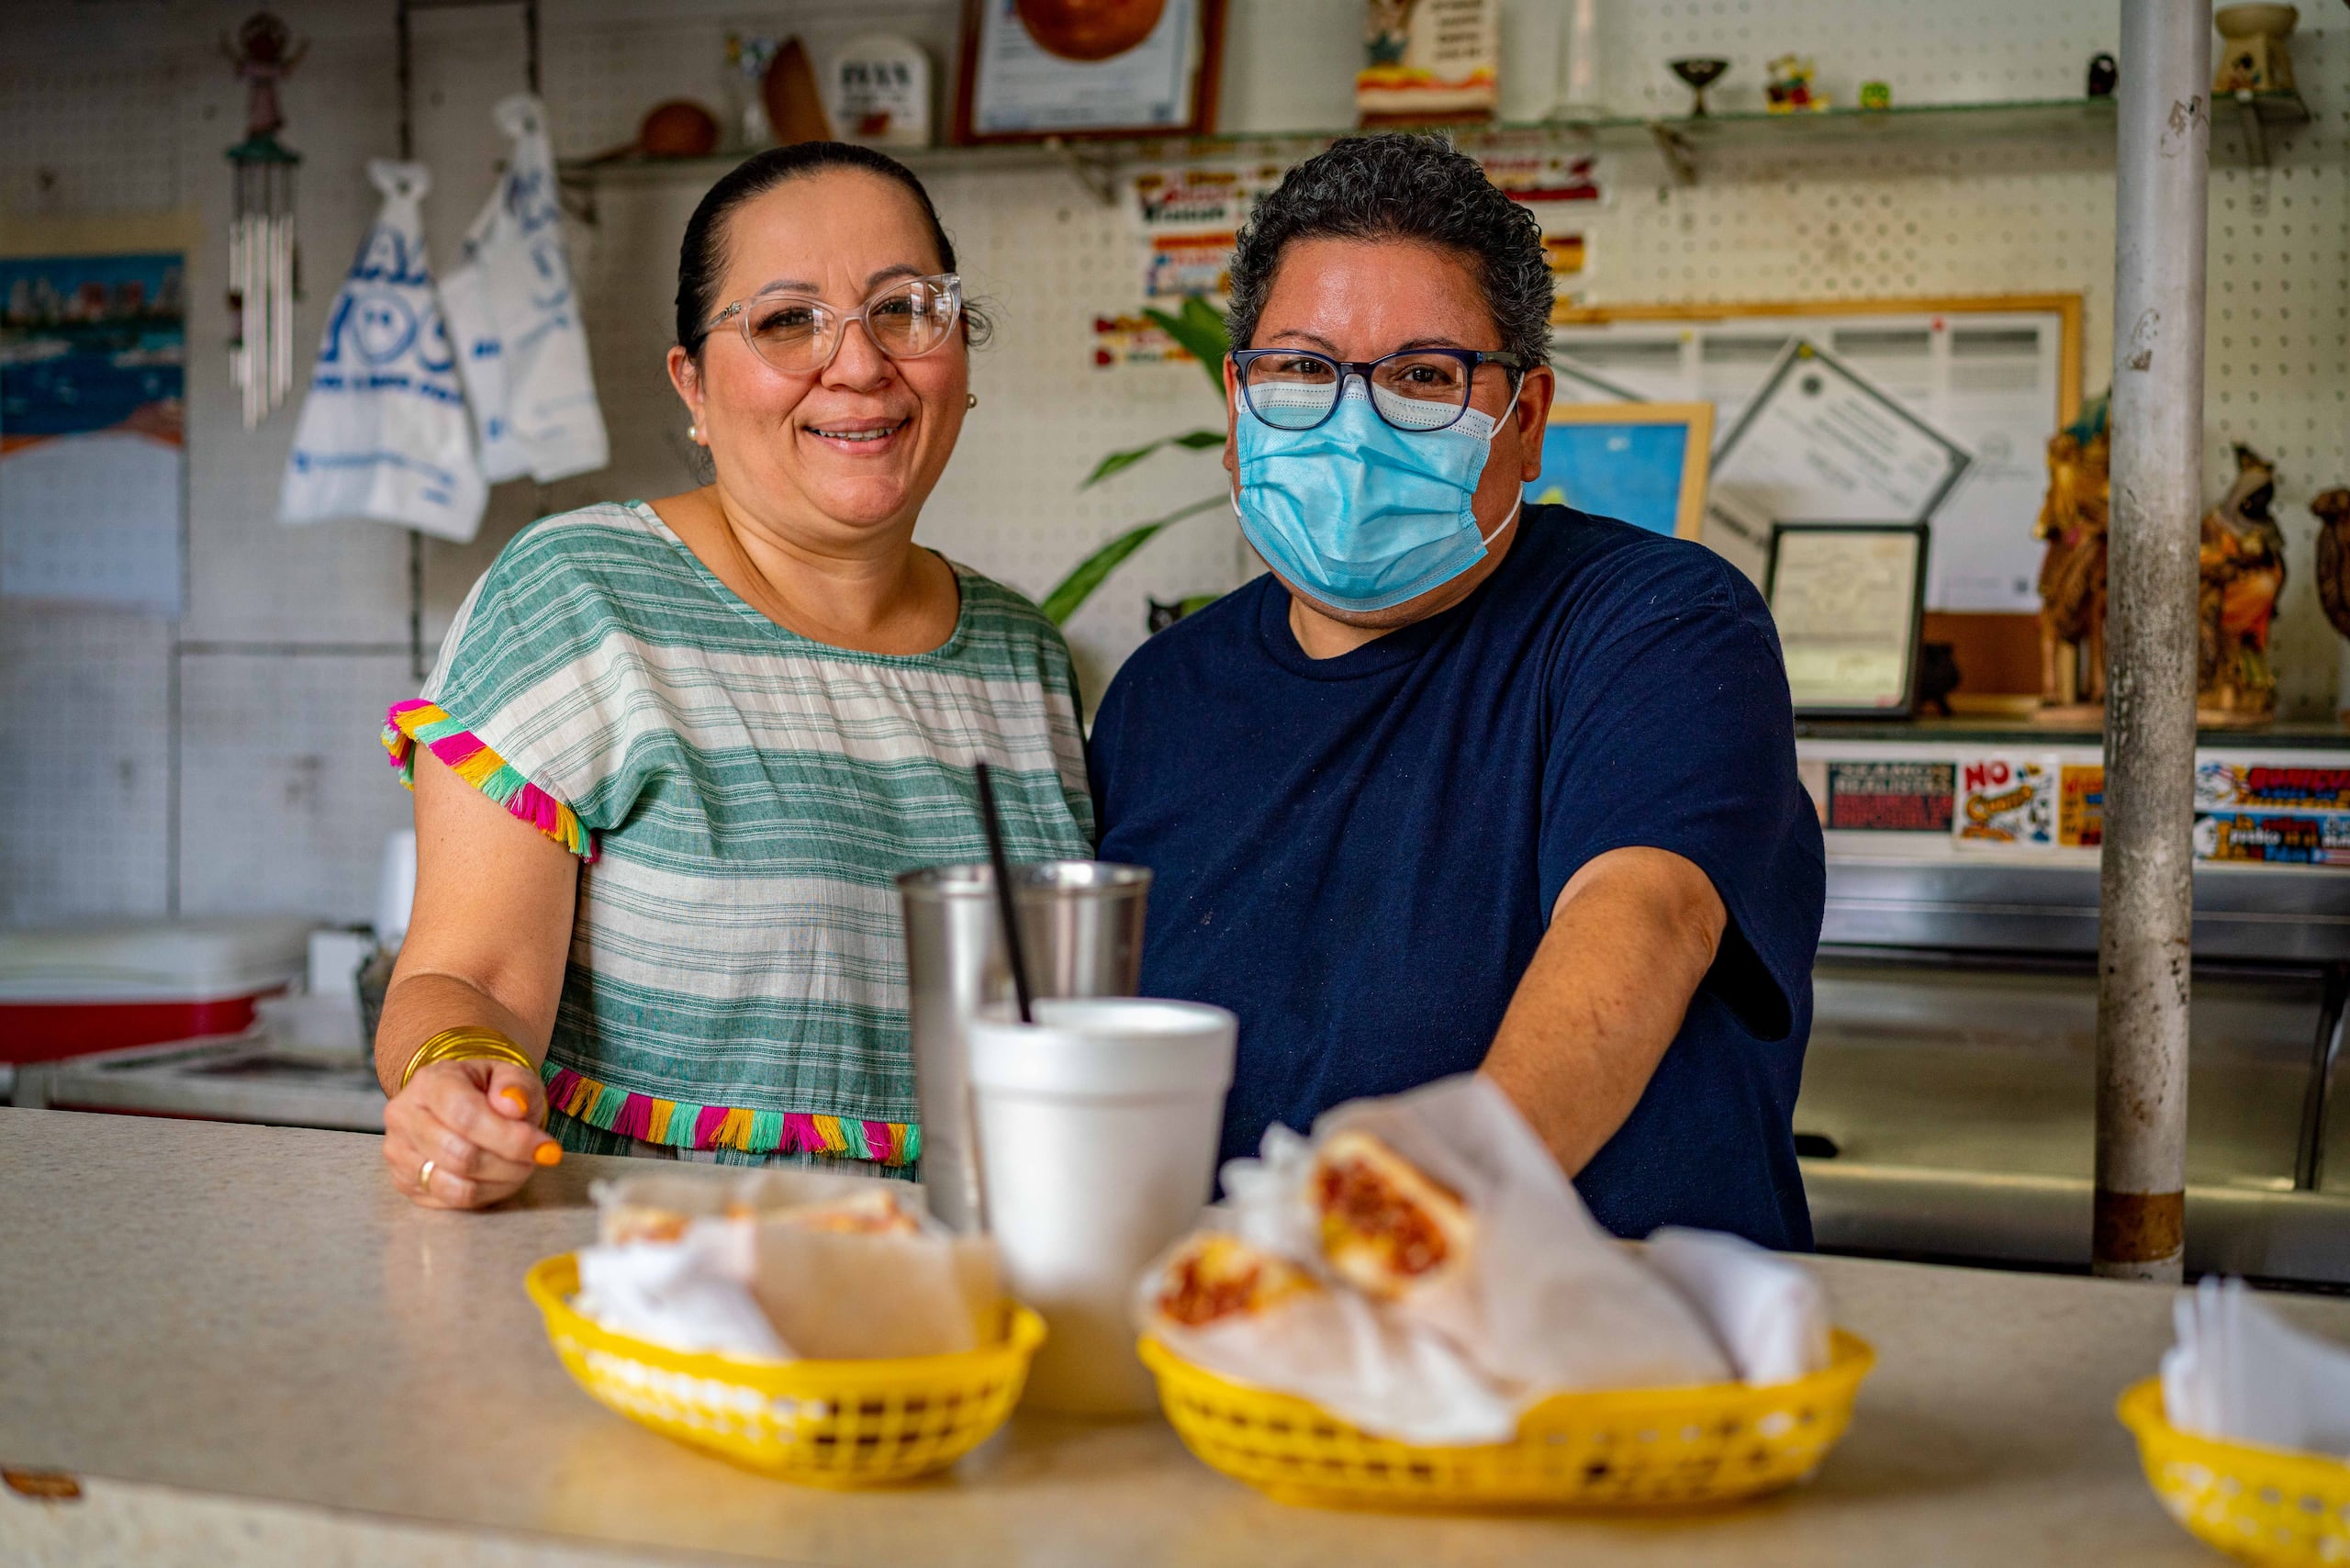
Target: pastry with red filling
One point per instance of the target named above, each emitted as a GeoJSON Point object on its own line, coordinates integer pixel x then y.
{"type": "Point", "coordinates": [1387, 1229]}
{"type": "Point", "coordinates": [1216, 1277]}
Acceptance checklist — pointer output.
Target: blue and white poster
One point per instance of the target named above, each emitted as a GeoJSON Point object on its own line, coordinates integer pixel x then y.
{"type": "Point", "coordinates": [93, 460]}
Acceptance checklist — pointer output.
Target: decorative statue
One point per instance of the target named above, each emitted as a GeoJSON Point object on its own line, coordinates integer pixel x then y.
{"type": "Point", "coordinates": [2333, 511]}
{"type": "Point", "coordinates": [2072, 575]}
{"type": "Point", "coordinates": [2242, 562]}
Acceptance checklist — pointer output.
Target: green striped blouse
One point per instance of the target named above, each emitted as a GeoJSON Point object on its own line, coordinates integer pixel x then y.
{"type": "Point", "coordinates": [741, 798]}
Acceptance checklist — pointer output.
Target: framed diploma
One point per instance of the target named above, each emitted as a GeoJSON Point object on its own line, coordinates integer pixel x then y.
{"type": "Point", "coordinates": [1027, 75]}
{"type": "Point", "coordinates": [1850, 599]}
{"type": "Point", "coordinates": [1823, 442]}
{"type": "Point", "coordinates": [1640, 462]}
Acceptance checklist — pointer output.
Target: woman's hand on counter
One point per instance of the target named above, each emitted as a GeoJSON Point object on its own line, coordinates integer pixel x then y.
{"type": "Point", "coordinates": [478, 1122]}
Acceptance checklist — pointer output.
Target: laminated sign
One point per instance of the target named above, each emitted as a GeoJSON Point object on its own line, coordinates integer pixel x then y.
{"type": "Point", "coordinates": [383, 432]}
{"type": "Point", "coordinates": [1890, 796]}
{"type": "Point", "coordinates": [2008, 800]}
{"type": "Point", "coordinates": [1429, 57]}
{"type": "Point", "coordinates": [522, 347]}
{"type": "Point", "coordinates": [2272, 814]}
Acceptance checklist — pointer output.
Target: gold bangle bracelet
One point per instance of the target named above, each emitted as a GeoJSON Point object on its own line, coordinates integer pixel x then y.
{"type": "Point", "coordinates": [469, 1044]}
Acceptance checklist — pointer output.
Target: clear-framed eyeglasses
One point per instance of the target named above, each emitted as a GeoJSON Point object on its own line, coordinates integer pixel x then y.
{"type": "Point", "coordinates": [799, 334]}
{"type": "Point", "coordinates": [1418, 390]}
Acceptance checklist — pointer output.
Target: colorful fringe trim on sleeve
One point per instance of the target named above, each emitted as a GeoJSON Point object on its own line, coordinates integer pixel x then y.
{"type": "Point", "coordinates": [472, 760]}
{"type": "Point", "coordinates": [683, 1126]}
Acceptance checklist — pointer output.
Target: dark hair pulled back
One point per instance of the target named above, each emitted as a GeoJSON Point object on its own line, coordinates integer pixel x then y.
{"type": "Point", "coordinates": [701, 259]}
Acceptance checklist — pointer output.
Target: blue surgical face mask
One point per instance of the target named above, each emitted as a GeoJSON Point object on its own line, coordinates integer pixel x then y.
{"type": "Point", "coordinates": [1359, 514]}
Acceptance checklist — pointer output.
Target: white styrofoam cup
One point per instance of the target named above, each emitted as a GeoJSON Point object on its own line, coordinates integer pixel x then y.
{"type": "Point", "coordinates": [1097, 1127]}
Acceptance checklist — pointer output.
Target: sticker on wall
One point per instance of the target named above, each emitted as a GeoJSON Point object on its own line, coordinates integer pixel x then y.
{"type": "Point", "coordinates": [1133, 340]}
{"type": "Point", "coordinates": [1188, 219]}
{"type": "Point", "coordinates": [1182, 264]}
{"type": "Point", "coordinates": [2080, 805]}
{"type": "Point", "coordinates": [1890, 796]}
{"type": "Point", "coordinates": [2274, 839]}
{"type": "Point", "coordinates": [2222, 785]}
{"type": "Point", "coordinates": [2007, 800]}
{"type": "Point", "coordinates": [1542, 179]}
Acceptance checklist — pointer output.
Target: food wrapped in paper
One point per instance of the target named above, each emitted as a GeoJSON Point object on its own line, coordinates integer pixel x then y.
{"type": "Point", "coordinates": [1251, 1314]}
{"type": "Point", "coordinates": [835, 1267]}
{"type": "Point", "coordinates": [1456, 1278]}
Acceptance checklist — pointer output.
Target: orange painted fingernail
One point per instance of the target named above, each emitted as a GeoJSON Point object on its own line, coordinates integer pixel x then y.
{"type": "Point", "coordinates": [548, 1153]}
{"type": "Point", "coordinates": [515, 1098]}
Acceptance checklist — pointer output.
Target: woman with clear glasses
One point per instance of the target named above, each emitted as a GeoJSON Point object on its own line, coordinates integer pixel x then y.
{"type": "Point", "coordinates": [726, 720]}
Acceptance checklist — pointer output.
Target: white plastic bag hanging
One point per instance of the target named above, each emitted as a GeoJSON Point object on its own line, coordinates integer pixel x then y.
{"type": "Point", "coordinates": [383, 432]}
{"type": "Point", "coordinates": [522, 349]}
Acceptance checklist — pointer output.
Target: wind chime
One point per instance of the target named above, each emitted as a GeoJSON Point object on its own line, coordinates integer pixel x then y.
{"type": "Point", "coordinates": [261, 227]}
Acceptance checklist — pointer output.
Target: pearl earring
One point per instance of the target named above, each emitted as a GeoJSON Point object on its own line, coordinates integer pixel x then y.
{"type": "Point", "coordinates": [693, 433]}
{"type": "Point", "coordinates": [971, 402]}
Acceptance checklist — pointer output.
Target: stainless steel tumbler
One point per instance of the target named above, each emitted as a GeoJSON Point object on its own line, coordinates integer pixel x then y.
{"type": "Point", "coordinates": [1081, 930]}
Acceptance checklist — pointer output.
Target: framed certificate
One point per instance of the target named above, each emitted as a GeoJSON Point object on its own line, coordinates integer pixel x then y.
{"type": "Point", "coordinates": [1821, 441]}
{"type": "Point", "coordinates": [1641, 463]}
{"type": "Point", "coordinates": [1011, 87]}
{"type": "Point", "coordinates": [1850, 599]}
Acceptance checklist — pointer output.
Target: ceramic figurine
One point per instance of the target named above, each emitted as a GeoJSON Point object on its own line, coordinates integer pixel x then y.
{"type": "Point", "coordinates": [1876, 96]}
{"type": "Point", "coordinates": [2333, 511]}
{"type": "Point", "coordinates": [2104, 75]}
{"type": "Point", "coordinates": [2242, 569]}
{"type": "Point", "coordinates": [2252, 56]}
{"type": "Point", "coordinates": [263, 55]}
{"type": "Point", "coordinates": [2072, 574]}
{"type": "Point", "coordinates": [1789, 87]}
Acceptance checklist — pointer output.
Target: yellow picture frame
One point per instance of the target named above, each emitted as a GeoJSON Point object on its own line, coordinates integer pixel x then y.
{"type": "Point", "coordinates": [1695, 419]}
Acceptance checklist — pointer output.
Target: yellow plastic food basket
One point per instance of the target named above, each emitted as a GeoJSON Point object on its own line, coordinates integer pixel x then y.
{"type": "Point", "coordinates": [2257, 1504]}
{"type": "Point", "coordinates": [1633, 1449]}
{"type": "Point", "coordinates": [819, 1423]}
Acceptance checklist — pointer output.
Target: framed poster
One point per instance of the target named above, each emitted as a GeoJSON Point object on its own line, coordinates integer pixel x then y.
{"type": "Point", "coordinates": [1013, 87]}
{"type": "Point", "coordinates": [1997, 374]}
{"type": "Point", "coordinates": [1641, 463]}
{"type": "Point", "coordinates": [93, 461]}
{"type": "Point", "coordinates": [1849, 599]}
{"type": "Point", "coordinates": [1823, 442]}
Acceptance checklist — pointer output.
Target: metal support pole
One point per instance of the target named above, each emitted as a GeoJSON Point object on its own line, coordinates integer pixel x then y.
{"type": "Point", "coordinates": [2146, 931]}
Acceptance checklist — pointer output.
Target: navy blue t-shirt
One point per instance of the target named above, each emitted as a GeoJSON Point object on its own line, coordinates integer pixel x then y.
{"type": "Point", "coordinates": [1359, 854]}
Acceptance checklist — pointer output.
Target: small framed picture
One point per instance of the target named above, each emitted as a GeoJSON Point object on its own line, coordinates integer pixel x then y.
{"type": "Point", "coordinates": [1034, 70]}
{"type": "Point", "coordinates": [1641, 463]}
{"type": "Point", "coordinates": [1850, 601]}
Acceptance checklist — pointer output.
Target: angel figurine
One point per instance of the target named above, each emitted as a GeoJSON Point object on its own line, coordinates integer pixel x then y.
{"type": "Point", "coordinates": [2072, 574]}
{"type": "Point", "coordinates": [2241, 562]}
{"type": "Point", "coordinates": [264, 54]}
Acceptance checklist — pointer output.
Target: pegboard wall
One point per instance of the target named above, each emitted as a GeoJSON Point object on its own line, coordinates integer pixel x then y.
{"type": "Point", "coordinates": [228, 762]}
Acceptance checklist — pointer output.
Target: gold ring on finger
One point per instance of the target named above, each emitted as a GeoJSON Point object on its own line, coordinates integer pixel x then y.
{"type": "Point", "coordinates": [424, 1178]}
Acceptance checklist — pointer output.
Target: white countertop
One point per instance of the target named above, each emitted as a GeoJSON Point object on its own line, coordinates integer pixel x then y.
{"type": "Point", "coordinates": [242, 1344]}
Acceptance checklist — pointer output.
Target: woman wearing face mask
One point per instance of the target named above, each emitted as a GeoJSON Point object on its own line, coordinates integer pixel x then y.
{"type": "Point", "coordinates": [674, 753]}
{"type": "Point", "coordinates": [1517, 786]}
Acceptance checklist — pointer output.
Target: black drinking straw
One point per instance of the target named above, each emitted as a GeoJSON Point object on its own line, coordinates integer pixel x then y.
{"type": "Point", "coordinates": [1004, 892]}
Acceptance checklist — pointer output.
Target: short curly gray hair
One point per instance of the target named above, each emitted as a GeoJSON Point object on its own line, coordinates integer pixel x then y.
{"type": "Point", "coordinates": [1400, 186]}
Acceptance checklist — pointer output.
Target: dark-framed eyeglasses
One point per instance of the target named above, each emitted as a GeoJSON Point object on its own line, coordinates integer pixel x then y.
{"type": "Point", "coordinates": [799, 334]}
{"type": "Point", "coordinates": [1418, 391]}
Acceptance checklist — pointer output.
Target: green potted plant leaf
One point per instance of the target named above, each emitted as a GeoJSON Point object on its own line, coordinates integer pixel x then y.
{"type": "Point", "coordinates": [1199, 330]}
